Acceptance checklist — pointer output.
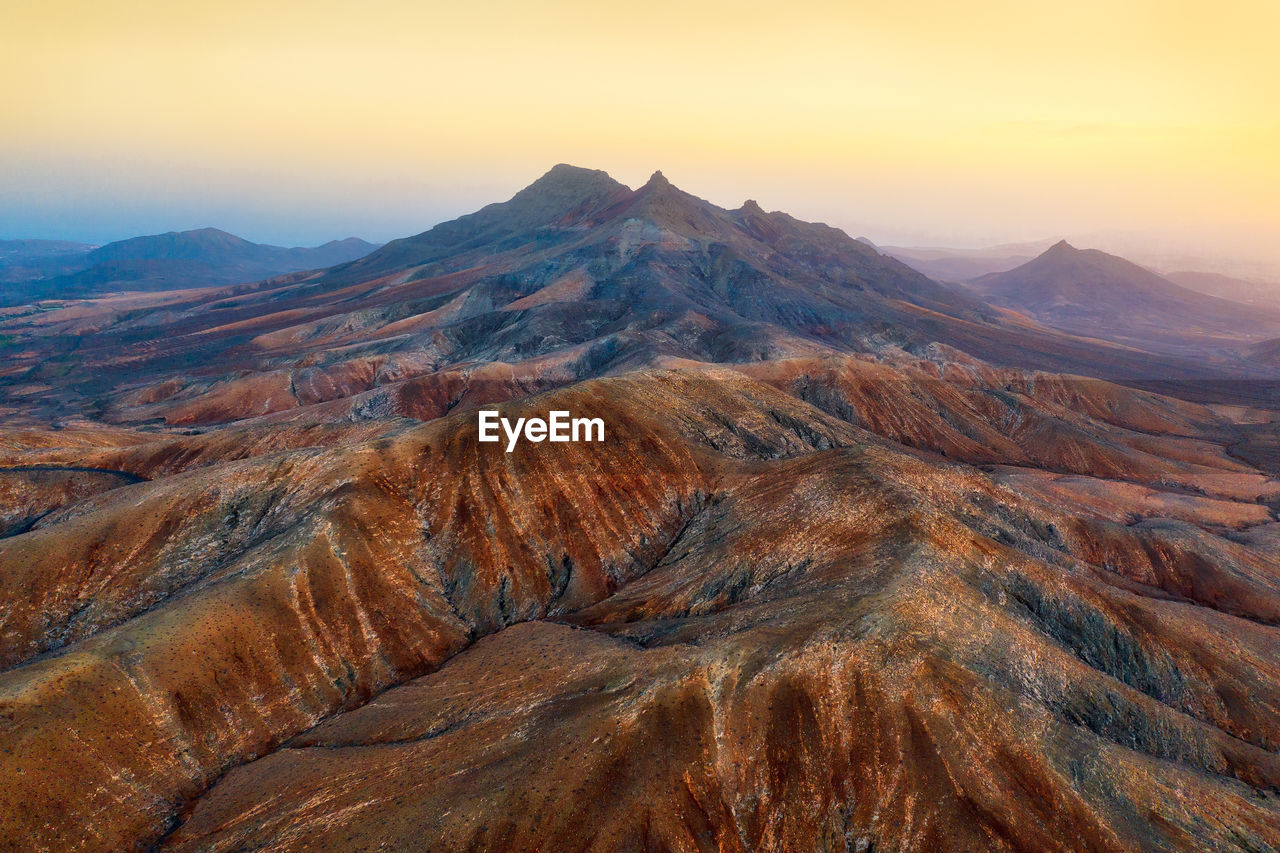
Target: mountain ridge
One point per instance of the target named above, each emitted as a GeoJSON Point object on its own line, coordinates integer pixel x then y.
{"type": "Point", "coordinates": [1087, 291]}
{"type": "Point", "coordinates": [175, 259]}
{"type": "Point", "coordinates": [574, 276]}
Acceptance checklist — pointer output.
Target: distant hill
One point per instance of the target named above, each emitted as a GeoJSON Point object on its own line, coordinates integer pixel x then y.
{"type": "Point", "coordinates": [1088, 292]}
{"type": "Point", "coordinates": [176, 260]}
{"type": "Point", "coordinates": [963, 264]}
{"type": "Point", "coordinates": [25, 260]}
{"type": "Point", "coordinates": [1262, 293]}
{"type": "Point", "coordinates": [12, 251]}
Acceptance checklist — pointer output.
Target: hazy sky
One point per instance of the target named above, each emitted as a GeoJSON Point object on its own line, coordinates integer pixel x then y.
{"type": "Point", "coordinates": [925, 122]}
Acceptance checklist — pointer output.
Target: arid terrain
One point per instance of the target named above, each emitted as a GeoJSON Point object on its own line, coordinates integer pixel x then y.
{"type": "Point", "coordinates": [864, 562]}
{"type": "Point", "coordinates": [31, 270]}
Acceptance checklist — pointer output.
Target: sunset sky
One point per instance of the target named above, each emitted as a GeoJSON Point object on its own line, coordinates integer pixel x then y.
{"type": "Point", "coordinates": [926, 122]}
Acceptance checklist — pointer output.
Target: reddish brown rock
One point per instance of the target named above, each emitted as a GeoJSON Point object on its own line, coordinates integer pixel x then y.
{"type": "Point", "coordinates": [858, 575]}
{"type": "Point", "coordinates": [818, 639]}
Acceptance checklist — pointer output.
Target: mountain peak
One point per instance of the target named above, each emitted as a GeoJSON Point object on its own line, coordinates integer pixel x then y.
{"type": "Point", "coordinates": [192, 244]}
{"type": "Point", "coordinates": [564, 191]}
{"type": "Point", "coordinates": [664, 204]}
{"type": "Point", "coordinates": [565, 178]}
{"type": "Point", "coordinates": [1090, 292]}
{"type": "Point", "coordinates": [658, 180]}
{"type": "Point", "coordinates": [564, 196]}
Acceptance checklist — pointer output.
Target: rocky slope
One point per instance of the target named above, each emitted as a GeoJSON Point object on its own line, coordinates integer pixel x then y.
{"type": "Point", "coordinates": [832, 581]}
{"type": "Point", "coordinates": [765, 570]}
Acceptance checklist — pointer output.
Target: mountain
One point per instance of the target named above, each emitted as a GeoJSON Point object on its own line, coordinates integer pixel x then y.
{"type": "Point", "coordinates": [658, 248]}
{"type": "Point", "coordinates": [575, 276]}
{"type": "Point", "coordinates": [964, 264]}
{"type": "Point", "coordinates": [24, 260]}
{"type": "Point", "coordinates": [218, 248]}
{"type": "Point", "coordinates": [197, 258]}
{"type": "Point", "coordinates": [12, 251]}
{"type": "Point", "coordinates": [860, 562]}
{"type": "Point", "coordinates": [1089, 292]}
{"type": "Point", "coordinates": [1249, 292]}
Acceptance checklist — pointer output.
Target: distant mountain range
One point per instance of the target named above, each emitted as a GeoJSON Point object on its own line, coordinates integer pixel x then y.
{"type": "Point", "coordinates": [13, 251]}
{"type": "Point", "coordinates": [43, 269]}
{"type": "Point", "coordinates": [960, 265]}
{"type": "Point", "coordinates": [1247, 291]}
{"type": "Point", "coordinates": [963, 264]}
{"type": "Point", "coordinates": [1088, 292]}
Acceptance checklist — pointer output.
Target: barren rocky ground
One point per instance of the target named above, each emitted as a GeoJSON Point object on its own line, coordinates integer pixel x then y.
{"type": "Point", "coordinates": [862, 564]}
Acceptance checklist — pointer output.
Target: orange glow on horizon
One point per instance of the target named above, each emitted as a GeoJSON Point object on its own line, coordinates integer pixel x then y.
{"type": "Point", "coordinates": [991, 121]}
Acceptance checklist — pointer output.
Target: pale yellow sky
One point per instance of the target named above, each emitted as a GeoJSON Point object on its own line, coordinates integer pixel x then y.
{"type": "Point", "coordinates": [910, 122]}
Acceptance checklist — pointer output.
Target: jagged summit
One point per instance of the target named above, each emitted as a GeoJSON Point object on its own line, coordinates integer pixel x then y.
{"type": "Point", "coordinates": [658, 180]}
